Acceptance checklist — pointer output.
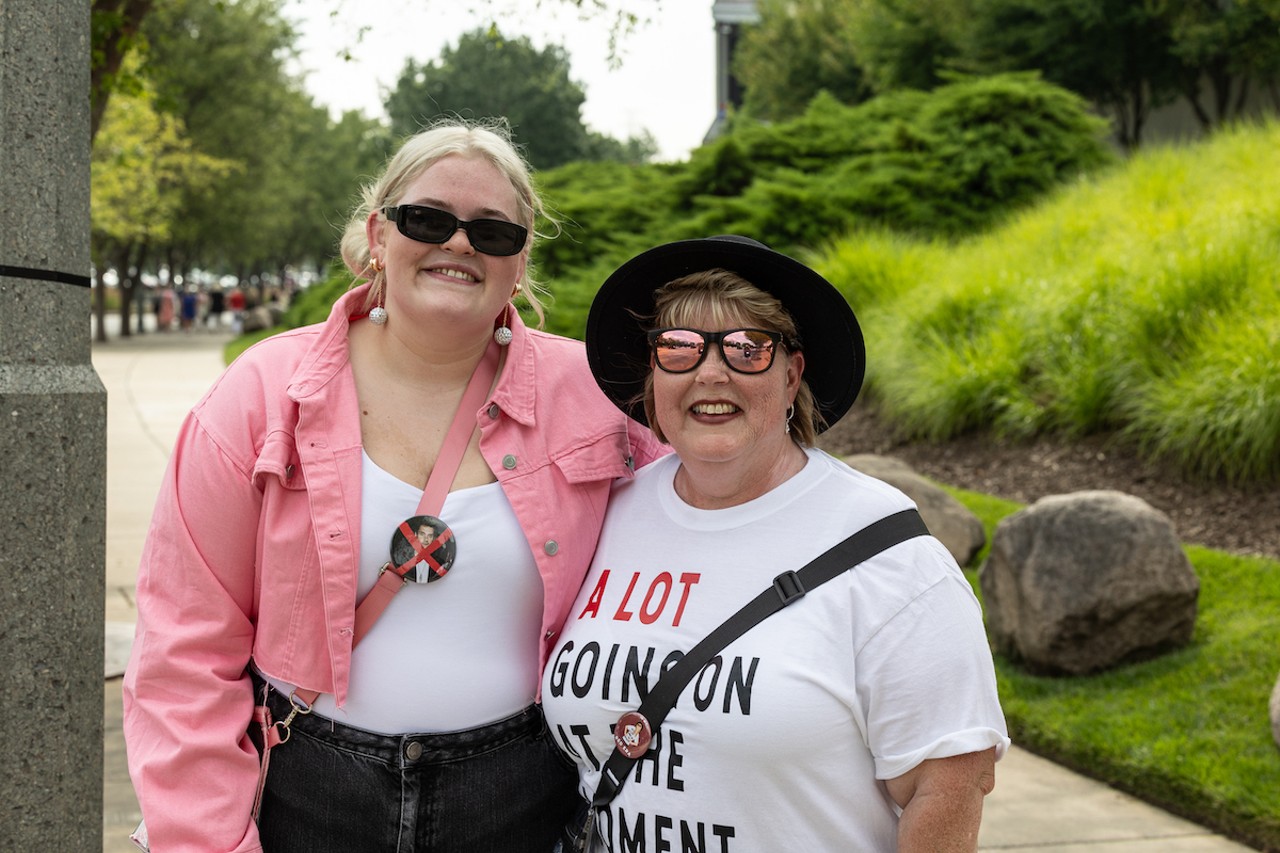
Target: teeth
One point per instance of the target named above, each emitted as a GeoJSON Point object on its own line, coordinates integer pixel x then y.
{"type": "Point", "coordinates": [714, 409]}
{"type": "Point", "coordinates": [458, 274]}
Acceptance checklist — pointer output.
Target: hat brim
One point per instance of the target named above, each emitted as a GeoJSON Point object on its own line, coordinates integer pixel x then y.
{"type": "Point", "coordinates": [831, 339]}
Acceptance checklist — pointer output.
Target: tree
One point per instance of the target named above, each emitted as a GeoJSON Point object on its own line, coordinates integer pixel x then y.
{"type": "Point", "coordinates": [113, 32]}
{"type": "Point", "coordinates": [220, 68]}
{"type": "Point", "coordinates": [141, 163]}
{"type": "Point", "coordinates": [908, 44]}
{"type": "Point", "coordinates": [1232, 45]}
{"type": "Point", "coordinates": [1116, 53]}
{"type": "Point", "coordinates": [487, 75]}
{"type": "Point", "coordinates": [796, 51]}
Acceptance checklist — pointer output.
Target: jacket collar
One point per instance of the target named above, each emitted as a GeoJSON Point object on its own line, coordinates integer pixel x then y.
{"type": "Point", "coordinates": [329, 353]}
{"type": "Point", "coordinates": [517, 386]}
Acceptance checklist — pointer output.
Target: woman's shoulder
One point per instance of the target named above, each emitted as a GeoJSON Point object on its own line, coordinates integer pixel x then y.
{"type": "Point", "coordinates": [253, 392]}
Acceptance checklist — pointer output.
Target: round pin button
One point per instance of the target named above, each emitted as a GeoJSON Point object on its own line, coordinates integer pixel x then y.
{"type": "Point", "coordinates": [423, 548]}
{"type": "Point", "coordinates": [632, 734]}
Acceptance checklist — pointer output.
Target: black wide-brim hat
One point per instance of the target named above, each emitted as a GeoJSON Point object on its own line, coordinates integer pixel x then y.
{"type": "Point", "coordinates": [835, 357]}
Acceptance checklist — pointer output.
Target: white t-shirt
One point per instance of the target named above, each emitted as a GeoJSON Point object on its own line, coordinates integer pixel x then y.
{"type": "Point", "coordinates": [778, 743]}
{"type": "Point", "coordinates": [456, 653]}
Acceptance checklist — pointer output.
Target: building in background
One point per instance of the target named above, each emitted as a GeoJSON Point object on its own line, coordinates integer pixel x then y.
{"type": "Point", "coordinates": [729, 16]}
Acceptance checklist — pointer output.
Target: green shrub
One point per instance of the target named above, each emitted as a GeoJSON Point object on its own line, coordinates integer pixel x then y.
{"type": "Point", "coordinates": [1142, 302]}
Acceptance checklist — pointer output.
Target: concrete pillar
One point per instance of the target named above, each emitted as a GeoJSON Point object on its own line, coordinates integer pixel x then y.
{"type": "Point", "coordinates": [52, 439]}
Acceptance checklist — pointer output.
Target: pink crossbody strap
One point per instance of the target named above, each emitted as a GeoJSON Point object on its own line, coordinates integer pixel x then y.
{"type": "Point", "coordinates": [456, 441]}
{"type": "Point", "coordinates": [372, 606]}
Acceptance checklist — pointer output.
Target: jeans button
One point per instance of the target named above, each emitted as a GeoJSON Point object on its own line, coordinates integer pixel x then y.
{"type": "Point", "coordinates": [413, 751]}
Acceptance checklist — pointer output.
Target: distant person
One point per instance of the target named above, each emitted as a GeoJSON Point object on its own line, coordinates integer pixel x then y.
{"type": "Point", "coordinates": [189, 308]}
{"type": "Point", "coordinates": [862, 717]}
{"type": "Point", "coordinates": [217, 305]}
{"type": "Point", "coordinates": [165, 310]}
{"type": "Point", "coordinates": [235, 304]}
{"type": "Point", "coordinates": [424, 393]}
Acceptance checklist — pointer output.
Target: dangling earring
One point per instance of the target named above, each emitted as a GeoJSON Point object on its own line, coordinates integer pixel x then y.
{"type": "Point", "coordinates": [791, 410]}
{"type": "Point", "coordinates": [378, 315]}
{"type": "Point", "coordinates": [502, 334]}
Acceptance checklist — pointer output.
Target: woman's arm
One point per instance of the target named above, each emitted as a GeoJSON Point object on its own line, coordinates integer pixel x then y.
{"type": "Point", "coordinates": [941, 801]}
{"type": "Point", "coordinates": [187, 697]}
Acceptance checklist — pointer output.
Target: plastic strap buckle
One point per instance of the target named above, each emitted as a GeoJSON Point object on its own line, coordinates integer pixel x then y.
{"type": "Point", "coordinates": [788, 587]}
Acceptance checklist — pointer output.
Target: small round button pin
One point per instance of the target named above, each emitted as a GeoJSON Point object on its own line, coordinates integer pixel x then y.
{"type": "Point", "coordinates": [632, 734]}
{"type": "Point", "coordinates": [423, 548]}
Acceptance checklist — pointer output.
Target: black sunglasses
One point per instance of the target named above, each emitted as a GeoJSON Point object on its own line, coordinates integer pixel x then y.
{"type": "Point", "coordinates": [743, 350]}
{"type": "Point", "coordinates": [431, 225]}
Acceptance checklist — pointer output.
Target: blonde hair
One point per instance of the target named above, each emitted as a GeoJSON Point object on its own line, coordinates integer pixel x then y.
{"type": "Point", "coordinates": [490, 140]}
{"type": "Point", "coordinates": [727, 297]}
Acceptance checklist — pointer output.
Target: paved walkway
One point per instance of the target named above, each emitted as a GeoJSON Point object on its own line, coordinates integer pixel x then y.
{"type": "Point", "coordinates": [152, 380]}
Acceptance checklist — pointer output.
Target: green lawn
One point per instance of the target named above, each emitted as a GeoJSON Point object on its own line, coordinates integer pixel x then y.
{"type": "Point", "coordinates": [1188, 731]}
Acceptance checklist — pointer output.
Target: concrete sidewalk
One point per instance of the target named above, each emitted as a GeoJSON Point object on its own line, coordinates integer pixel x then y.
{"type": "Point", "coordinates": [153, 380]}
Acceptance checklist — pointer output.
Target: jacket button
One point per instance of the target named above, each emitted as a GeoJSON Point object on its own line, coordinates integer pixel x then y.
{"type": "Point", "coordinates": [551, 547]}
{"type": "Point", "coordinates": [493, 411]}
{"type": "Point", "coordinates": [508, 462]}
{"type": "Point", "coordinates": [413, 751]}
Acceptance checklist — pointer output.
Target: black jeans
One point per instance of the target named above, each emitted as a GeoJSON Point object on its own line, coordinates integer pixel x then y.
{"type": "Point", "coordinates": [332, 788]}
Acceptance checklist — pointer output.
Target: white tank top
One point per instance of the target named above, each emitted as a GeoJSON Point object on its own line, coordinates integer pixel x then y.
{"type": "Point", "coordinates": [461, 651]}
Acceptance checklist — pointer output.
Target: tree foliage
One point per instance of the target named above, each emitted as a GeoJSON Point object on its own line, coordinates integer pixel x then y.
{"type": "Point", "coordinates": [1233, 47]}
{"type": "Point", "coordinates": [796, 51]}
{"type": "Point", "coordinates": [1126, 57]}
{"type": "Point", "coordinates": [487, 75]}
{"type": "Point", "coordinates": [114, 32]}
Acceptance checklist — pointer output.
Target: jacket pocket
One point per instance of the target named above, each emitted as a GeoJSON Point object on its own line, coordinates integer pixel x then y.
{"type": "Point", "coordinates": [606, 457]}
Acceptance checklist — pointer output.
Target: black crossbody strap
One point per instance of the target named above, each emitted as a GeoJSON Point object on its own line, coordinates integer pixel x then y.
{"type": "Point", "coordinates": [787, 588]}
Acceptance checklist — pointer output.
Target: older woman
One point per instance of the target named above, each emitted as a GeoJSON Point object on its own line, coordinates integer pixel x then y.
{"type": "Point", "coordinates": [286, 532]}
{"type": "Point", "coordinates": [862, 717]}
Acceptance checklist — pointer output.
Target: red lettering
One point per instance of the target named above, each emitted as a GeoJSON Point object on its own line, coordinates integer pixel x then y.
{"type": "Point", "coordinates": [623, 615]}
{"type": "Point", "coordinates": [688, 579]}
{"type": "Point", "coordinates": [663, 580]}
{"type": "Point", "coordinates": [593, 603]}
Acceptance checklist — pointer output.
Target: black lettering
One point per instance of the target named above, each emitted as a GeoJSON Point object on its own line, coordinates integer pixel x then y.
{"type": "Point", "coordinates": [559, 669]}
{"type": "Point", "coordinates": [661, 825]}
{"type": "Point", "coordinates": [581, 687]}
{"type": "Point", "coordinates": [627, 841]}
{"type": "Point", "coordinates": [688, 844]}
{"type": "Point", "coordinates": [702, 700]}
{"type": "Point", "coordinates": [742, 685]}
{"type": "Point", "coordinates": [674, 760]}
{"type": "Point", "coordinates": [632, 673]}
{"type": "Point", "coordinates": [724, 833]}
{"type": "Point", "coordinates": [608, 670]}
{"type": "Point", "coordinates": [650, 758]}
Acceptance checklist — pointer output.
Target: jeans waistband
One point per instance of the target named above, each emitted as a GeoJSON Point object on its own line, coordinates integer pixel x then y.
{"type": "Point", "coordinates": [404, 749]}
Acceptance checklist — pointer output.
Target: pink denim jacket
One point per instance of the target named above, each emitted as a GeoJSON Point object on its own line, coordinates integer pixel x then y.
{"type": "Point", "coordinates": [253, 549]}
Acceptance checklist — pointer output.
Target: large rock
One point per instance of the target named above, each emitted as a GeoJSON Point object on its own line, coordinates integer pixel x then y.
{"type": "Point", "coordinates": [948, 519]}
{"type": "Point", "coordinates": [1082, 582]}
{"type": "Point", "coordinates": [1275, 712]}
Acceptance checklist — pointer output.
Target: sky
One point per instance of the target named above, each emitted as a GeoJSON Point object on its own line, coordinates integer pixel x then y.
{"type": "Point", "coordinates": [664, 81]}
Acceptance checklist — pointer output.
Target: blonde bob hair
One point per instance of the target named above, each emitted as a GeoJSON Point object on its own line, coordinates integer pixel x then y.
{"type": "Point", "coordinates": [490, 140]}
